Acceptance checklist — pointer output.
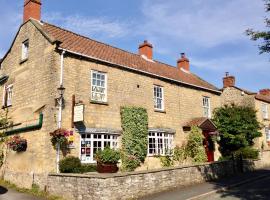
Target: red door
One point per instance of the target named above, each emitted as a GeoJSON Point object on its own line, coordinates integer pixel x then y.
{"type": "Point", "coordinates": [209, 146]}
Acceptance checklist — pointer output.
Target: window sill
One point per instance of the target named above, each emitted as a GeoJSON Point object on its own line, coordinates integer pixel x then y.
{"type": "Point", "coordinates": [160, 111]}
{"type": "Point", "coordinates": [23, 61]}
{"type": "Point", "coordinates": [99, 102]}
{"type": "Point", "coordinates": [4, 107]}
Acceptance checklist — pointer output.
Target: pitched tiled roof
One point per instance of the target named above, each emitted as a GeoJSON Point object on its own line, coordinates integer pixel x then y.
{"type": "Point", "coordinates": [264, 98]}
{"type": "Point", "coordinates": [196, 121]}
{"type": "Point", "coordinates": [85, 46]}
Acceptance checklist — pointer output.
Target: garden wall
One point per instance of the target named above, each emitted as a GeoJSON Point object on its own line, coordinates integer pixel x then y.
{"type": "Point", "coordinates": [135, 184]}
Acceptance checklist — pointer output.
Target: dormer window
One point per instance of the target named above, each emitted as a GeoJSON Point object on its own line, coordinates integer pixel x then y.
{"type": "Point", "coordinates": [25, 49]}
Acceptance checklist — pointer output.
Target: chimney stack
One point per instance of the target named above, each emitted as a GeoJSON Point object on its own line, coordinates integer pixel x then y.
{"type": "Point", "coordinates": [146, 49]}
{"type": "Point", "coordinates": [32, 9]}
{"type": "Point", "coordinates": [265, 92]}
{"type": "Point", "coordinates": [183, 62]}
{"type": "Point", "coordinates": [228, 81]}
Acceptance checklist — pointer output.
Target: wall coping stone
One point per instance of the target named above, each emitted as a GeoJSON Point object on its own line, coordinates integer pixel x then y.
{"type": "Point", "coordinates": [124, 174]}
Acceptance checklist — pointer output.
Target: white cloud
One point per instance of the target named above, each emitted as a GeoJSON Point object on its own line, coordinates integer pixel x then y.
{"type": "Point", "coordinates": [233, 64]}
{"type": "Point", "coordinates": [89, 26]}
{"type": "Point", "coordinates": [207, 23]}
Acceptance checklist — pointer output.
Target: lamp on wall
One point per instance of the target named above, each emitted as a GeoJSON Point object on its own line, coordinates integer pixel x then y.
{"type": "Point", "coordinates": [60, 100]}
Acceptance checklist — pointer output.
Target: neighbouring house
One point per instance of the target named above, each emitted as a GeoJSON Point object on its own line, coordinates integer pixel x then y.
{"type": "Point", "coordinates": [231, 94]}
{"type": "Point", "coordinates": [45, 61]}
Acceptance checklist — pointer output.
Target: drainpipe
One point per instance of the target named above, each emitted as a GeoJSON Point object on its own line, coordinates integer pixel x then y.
{"type": "Point", "coordinates": [60, 110]}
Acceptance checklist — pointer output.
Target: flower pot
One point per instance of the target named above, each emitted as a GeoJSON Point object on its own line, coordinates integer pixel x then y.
{"type": "Point", "coordinates": [107, 168]}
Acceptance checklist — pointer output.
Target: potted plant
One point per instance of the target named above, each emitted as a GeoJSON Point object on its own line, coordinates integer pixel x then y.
{"type": "Point", "coordinates": [17, 143]}
{"type": "Point", "coordinates": [107, 160]}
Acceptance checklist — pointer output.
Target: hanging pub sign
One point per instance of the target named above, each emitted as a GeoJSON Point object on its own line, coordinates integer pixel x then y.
{"type": "Point", "coordinates": [78, 113]}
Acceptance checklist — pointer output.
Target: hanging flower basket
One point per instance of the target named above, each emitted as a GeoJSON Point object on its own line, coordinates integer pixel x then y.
{"type": "Point", "coordinates": [59, 137]}
{"type": "Point", "coordinates": [17, 144]}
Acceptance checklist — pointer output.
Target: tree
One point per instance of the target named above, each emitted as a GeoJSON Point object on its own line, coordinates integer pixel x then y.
{"type": "Point", "coordinates": [262, 35]}
{"type": "Point", "coordinates": [238, 126]}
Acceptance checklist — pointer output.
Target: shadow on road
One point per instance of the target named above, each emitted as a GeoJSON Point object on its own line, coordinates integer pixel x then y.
{"type": "Point", "coordinates": [256, 188]}
{"type": "Point", "coordinates": [3, 190]}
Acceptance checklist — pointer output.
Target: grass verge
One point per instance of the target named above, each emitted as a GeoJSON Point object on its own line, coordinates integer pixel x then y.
{"type": "Point", "coordinates": [35, 190]}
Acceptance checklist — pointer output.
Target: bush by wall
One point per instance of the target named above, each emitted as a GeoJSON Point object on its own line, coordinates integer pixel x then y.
{"type": "Point", "coordinates": [135, 134]}
{"type": "Point", "coordinates": [238, 126]}
{"type": "Point", "coordinates": [73, 164]}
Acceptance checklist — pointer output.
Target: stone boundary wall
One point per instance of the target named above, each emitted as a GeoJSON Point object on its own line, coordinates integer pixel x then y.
{"type": "Point", "coordinates": [132, 185]}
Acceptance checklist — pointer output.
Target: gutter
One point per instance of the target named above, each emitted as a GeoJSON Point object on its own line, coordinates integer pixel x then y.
{"type": "Point", "coordinates": [137, 70]}
{"type": "Point", "coordinates": [27, 128]}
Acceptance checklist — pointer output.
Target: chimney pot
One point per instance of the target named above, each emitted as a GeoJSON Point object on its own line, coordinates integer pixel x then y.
{"type": "Point", "coordinates": [146, 49]}
{"type": "Point", "coordinates": [265, 92]}
{"type": "Point", "coordinates": [228, 81]}
{"type": "Point", "coordinates": [183, 62]}
{"type": "Point", "coordinates": [32, 9]}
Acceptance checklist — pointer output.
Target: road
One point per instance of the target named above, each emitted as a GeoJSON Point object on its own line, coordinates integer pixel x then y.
{"type": "Point", "coordinates": [9, 194]}
{"type": "Point", "coordinates": [247, 186]}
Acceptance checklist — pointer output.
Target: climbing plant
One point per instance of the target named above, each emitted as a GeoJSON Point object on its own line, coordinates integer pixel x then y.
{"type": "Point", "coordinates": [135, 133]}
{"type": "Point", "coordinates": [194, 148]}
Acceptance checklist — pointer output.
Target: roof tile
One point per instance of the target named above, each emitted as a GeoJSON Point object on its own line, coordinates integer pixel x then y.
{"type": "Point", "coordinates": [86, 46]}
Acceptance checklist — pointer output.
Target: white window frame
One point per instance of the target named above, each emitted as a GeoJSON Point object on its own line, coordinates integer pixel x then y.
{"type": "Point", "coordinates": [96, 137]}
{"type": "Point", "coordinates": [25, 49]}
{"type": "Point", "coordinates": [158, 97]}
{"type": "Point", "coordinates": [99, 87]}
{"type": "Point", "coordinates": [7, 95]}
{"type": "Point", "coordinates": [267, 133]}
{"type": "Point", "coordinates": [163, 143]}
{"type": "Point", "coordinates": [206, 107]}
{"type": "Point", "coordinates": [265, 111]}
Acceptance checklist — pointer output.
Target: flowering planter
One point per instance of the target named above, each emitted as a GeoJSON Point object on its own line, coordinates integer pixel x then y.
{"type": "Point", "coordinates": [107, 168]}
{"type": "Point", "coordinates": [17, 144]}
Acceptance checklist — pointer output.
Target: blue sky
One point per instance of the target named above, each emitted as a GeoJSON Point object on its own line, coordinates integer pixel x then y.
{"type": "Point", "coordinates": [210, 32]}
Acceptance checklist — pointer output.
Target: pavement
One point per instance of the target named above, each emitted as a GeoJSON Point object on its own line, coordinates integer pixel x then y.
{"type": "Point", "coordinates": [9, 194]}
{"type": "Point", "coordinates": [247, 186]}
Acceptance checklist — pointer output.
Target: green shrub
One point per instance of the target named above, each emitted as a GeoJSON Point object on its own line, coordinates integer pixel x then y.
{"type": "Point", "coordinates": [166, 161]}
{"type": "Point", "coordinates": [107, 156]}
{"type": "Point", "coordinates": [238, 126]}
{"type": "Point", "coordinates": [88, 168]}
{"type": "Point", "coordinates": [194, 148]}
{"type": "Point", "coordinates": [70, 164]}
{"type": "Point", "coordinates": [179, 154]}
{"type": "Point", "coordinates": [129, 162]}
{"type": "Point", "coordinates": [135, 137]}
{"type": "Point", "coordinates": [224, 158]}
{"type": "Point", "coordinates": [73, 164]}
{"type": "Point", "coordinates": [247, 153]}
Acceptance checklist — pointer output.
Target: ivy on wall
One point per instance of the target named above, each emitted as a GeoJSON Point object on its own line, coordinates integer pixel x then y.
{"type": "Point", "coordinates": [135, 137]}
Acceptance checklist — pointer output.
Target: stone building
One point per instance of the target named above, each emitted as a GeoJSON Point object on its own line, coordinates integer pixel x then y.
{"type": "Point", "coordinates": [231, 94]}
{"type": "Point", "coordinates": [44, 60]}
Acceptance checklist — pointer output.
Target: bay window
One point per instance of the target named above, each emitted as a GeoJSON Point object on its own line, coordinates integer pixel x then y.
{"type": "Point", "coordinates": [91, 143]}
